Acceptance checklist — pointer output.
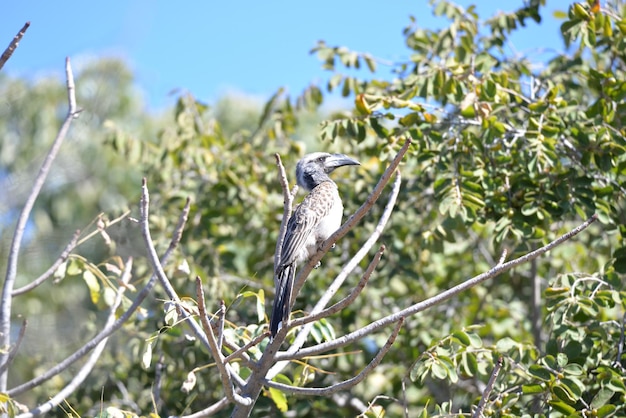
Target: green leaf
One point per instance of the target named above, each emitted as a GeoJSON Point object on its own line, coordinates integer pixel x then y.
{"type": "Point", "coordinates": [439, 370]}
{"type": "Point", "coordinates": [146, 358]}
{"type": "Point", "coordinates": [606, 411]}
{"type": "Point", "coordinates": [603, 396]}
{"type": "Point", "coordinates": [260, 306]}
{"type": "Point", "coordinates": [506, 344]}
{"type": "Point", "coordinates": [93, 284]}
{"type": "Point", "coordinates": [540, 372]}
{"type": "Point", "coordinates": [75, 267]}
{"type": "Point", "coordinates": [279, 398]}
{"type": "Point", "coordinates": [475, 340]}
{"type": "Point", "coordinates": [469, 363]}
{"type": "Point", "coordinates": [462, 337]}
{"type": "Point", "coordinates": [562, 407]}
{"type": "Point", "coordinates": [532, 389]}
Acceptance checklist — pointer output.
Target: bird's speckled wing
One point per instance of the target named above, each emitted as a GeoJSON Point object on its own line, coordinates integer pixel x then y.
{"type": "Point", "coordinates": [304, 220]}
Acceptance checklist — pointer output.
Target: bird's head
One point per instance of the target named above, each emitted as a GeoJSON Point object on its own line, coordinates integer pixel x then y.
{"type": "Point", "coordinates": [314, 168]}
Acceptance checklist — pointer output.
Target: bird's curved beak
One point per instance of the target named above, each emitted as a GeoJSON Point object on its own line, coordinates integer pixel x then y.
{"type": "Point", "coordinates": [339, 160]}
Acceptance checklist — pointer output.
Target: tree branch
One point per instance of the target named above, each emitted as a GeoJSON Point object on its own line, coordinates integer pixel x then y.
{"type": "Point", "coordinates": [347, 384]}
{"type": "Point", "coordinates": [159, 273]}
{"type": "Point", "coordinates": [487, 392]}
{"type": "Point", "coordinates": [86, 369]}
{"type": "Point", "coordinates": [287, 205]}
{"type": "Point", "coordinates": [13, 45]}
{"type": "Point", "coordinates": [216, 407]}
{"type": "Point", "coordinates": [356, 291]}
{"type": "Point", "coordinates": [13, 350]}
{"type": "Point", "coordinates": [53, 268]}
{"type": "Point", "coordinates": [107, 331]}
{"type": "Point", "coordinates": [238, 353]}
{"type": "Point", "coordinates": [435, 300]}
{"type": "Point", "coordinates": [16, 243]}
{"type": "Point", "coordinates": [215, 349]}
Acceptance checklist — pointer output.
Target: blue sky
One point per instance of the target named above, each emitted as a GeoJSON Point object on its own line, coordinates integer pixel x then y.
{"type": "Point", "coordinates": [212, 48]}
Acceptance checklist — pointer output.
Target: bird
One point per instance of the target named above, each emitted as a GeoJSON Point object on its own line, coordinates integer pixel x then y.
{"type": "Point", "coordinates": [312, 222]}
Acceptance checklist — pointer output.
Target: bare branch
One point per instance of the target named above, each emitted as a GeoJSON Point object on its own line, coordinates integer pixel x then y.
{"type": "Point", "coordinates": [86, 369]}
{"type": "Point", "coordinates": [435, 300]}
{"type": "Point", "coordinates": [238, 353]}
{"type": "Point", "coordinates": [345, 301]}
{"type": "Point", "coordinates": [98, 231]}
{"type": "Point", "coordinates": [287, 205]}
{"type": "Point", "coordinates": [216, 407]}
{"type": "Point", "coordinates": [53, 268]}
{"type": "Point", "coordinates": [107, 331]}
{"type": "Point", "coordinates": [221, 317]}
{"type": "Point", "coordinates": [15, 347]}
{"type": "Point", "coordinates": [487, 392]}
{"type": "Point", "coordinates": [215, 349]}
{"type": "Point", "coordinates": [13, 45]}
{"type": "Point", "coordinates": [620, 347]}
{"type": "Point", "coordinates": [347, 384]}
{"type": "Point", "coordinates": [160, 275]}
{"type": "Point", "coordinates": [74, 243]}
{"type": "Point", "coordinates": [16, 243]}
{"type": "Point", "coordinates": [503, 256]}
{"type": "Point", "coordinates": [180, 226]}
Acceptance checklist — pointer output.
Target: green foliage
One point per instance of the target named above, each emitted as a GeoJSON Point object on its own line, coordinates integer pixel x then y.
{"type": "Point", "coordinates": [506, 155]}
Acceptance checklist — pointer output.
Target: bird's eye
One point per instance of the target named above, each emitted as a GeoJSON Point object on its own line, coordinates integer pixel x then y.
{"type": "Point", "coordinates": [321, 159]}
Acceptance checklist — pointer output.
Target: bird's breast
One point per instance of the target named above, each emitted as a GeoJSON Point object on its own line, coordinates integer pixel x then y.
{"type": "Point", "coordinates": [327, 226]}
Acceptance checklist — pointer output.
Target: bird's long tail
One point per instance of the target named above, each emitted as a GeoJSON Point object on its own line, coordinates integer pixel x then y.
{"type": "Point", "coordinates": [282, 300]}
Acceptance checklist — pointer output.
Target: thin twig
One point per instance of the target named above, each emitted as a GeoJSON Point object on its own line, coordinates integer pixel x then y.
{"type": "Point", "coordinates": [207, 412]}
{"type": "Point", "coordinates": [503, 256]}
{"type": "Point", "coordinates": [241, 353]}
{"type": "Point", "coordinates": [13, 45]}
{"type": "Point", "coordinates": [435, 300]}
{"type": "Point", "coordinates": [221, 317]}
{"type": "Point", "coordinates": [99, 231]}
{"type": "Point", "coordinates": [347, 384]}
{"type": "Point", "coordinates": [180, 226]}
{"type": "Point", "coordinates": [16, 243]}
{"type": "Point", "coordinates": [287, 205]}
{"type": "Point", "coordinates": [107, 331]}
{"type": "Point", "coordinates": [620, 348]}
{"type": "Point", "coordinates": [13, 351]}
{"type": "Point", "coordinates": [157, 383]}
{"type": "Point", "coordinates": [86, 369]}
{"type": "Point", "coordinates": [250, 344]}
{"type": "Point", "coordinates": [487, 392]}
{"type": "Point", "coordinates": [53, 268]}
{"type": "Point", "coordinates": [215, 349]}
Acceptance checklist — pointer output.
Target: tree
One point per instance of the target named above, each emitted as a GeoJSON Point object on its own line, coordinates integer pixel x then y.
{"type": "Point", "coordinates": [498, 159]}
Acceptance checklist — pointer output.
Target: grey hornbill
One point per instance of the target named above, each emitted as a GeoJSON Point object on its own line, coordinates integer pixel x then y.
{"type": "Point", "coordinates": [312, 222]}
